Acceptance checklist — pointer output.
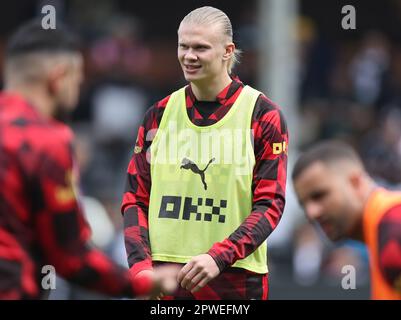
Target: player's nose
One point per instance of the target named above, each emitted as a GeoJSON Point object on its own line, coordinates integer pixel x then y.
{"type": "Point", "coordinates": [313, 210]}
{"type": "Point", "coordinates": [190, 55]}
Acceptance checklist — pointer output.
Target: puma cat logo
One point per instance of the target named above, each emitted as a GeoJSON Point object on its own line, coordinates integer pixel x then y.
{"type": "Point", "coordinates": [190, 165]}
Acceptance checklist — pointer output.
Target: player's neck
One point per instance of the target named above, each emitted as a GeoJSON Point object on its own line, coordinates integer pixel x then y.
{"type": "Point", "coordinates": [368, 187]}
{"type": "Point", "coordinates": [36, 96]}
{"type": "Point", "coordinates": [209, 89]}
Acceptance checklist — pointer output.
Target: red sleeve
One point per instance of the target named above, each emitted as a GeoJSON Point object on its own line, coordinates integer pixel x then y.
{"type": "Point", "coordinates": [135, 201]}
{"type": "Point", "coordinates": [269, 182]}
{"type": "Point", "coordinates": [62, 230]}
{"type": "Point", "coordinates": [390, 247]}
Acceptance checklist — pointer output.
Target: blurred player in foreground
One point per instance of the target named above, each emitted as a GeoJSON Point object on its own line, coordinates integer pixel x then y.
{"type": "Point", "coordinates": [208, 206]}
{"type": "Point", "coordinates": [338, 194]}
{"type": "Point", "coordinates": [40, 218]}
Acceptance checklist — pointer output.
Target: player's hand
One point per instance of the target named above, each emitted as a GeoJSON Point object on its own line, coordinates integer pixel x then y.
{"type": "Point", "coordinates": [165, 280]}
{"type": "Point", "coordinates": [198, 272]}
{"type": "Point", "coordinates": [146, 278]}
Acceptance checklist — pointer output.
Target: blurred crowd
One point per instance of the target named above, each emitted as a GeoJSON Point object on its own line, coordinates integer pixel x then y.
{"type": "Point", "coordinates": [349, 90]}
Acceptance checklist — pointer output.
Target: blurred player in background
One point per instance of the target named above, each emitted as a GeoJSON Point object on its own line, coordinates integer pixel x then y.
{"type": "Point", "coordinates": [194, 209]}
{"type": "Point", "coordinates": [40, 218]}
{"type": "Point", "coordinates": [337, 193]}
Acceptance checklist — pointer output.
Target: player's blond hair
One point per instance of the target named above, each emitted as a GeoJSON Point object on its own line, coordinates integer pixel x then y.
{"type": "Point", "coordinates": [208, 16]}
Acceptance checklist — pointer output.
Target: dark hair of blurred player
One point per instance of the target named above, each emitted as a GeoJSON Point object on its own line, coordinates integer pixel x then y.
{"type": "Point", "coordinates": [45, 66]}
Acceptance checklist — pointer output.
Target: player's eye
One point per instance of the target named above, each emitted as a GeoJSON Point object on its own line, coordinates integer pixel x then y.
{"type": "Point", "coordinates": [201, 48]}
{"type": "Point", "coordinates": [318, 195]}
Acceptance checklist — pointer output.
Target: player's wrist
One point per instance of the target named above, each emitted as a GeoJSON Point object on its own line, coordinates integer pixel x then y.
{"type": "Point", "coordinates": [138, 267]}
{"type": "Point", "coordinates": [143, 283]}
{"type": "Point", "coordinates": [219, 262]}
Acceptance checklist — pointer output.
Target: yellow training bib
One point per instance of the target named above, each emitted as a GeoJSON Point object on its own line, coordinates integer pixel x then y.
{"type": "Point", "coordinates": [202, 182]}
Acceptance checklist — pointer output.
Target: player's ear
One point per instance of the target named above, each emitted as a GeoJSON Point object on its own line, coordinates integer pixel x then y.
{"type": "Point", "coordinates": [229, 51]}
{"type": "Point", "coordinates": [356, 179]}
{"type": "Point", "coordinates": [55, 78]}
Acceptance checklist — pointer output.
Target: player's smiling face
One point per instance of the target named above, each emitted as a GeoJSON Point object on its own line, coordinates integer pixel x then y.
{"type": "Point", "coordinates": [201, 51]}
{"type": "Point", "coordinates": [327, 198]}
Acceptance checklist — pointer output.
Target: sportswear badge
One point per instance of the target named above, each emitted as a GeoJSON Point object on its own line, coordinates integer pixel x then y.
{"type": "Point", "coordinates": [190, 165]}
